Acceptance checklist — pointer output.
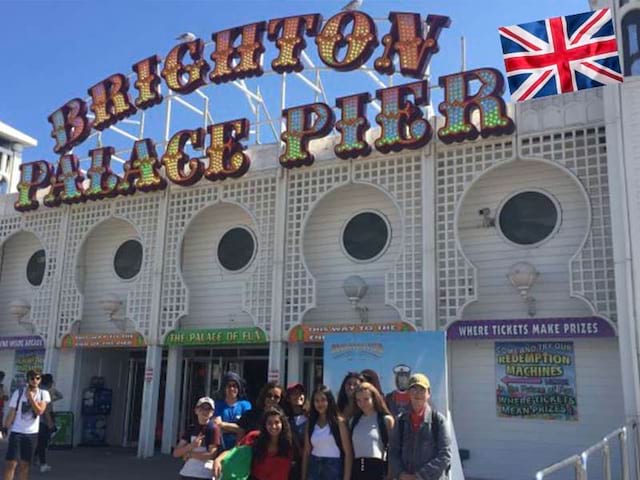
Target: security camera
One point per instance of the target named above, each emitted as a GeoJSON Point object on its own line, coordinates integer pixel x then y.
{"type": "Point", "coordinates": [487, 219]}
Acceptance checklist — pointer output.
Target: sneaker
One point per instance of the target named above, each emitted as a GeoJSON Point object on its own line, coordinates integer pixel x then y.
{"type": "Point", "coordinates": [45, 468]}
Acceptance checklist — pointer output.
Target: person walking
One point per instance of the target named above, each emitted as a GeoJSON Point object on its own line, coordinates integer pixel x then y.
{"type": "Point", "coordinates": [420, 444]}
{"type": "Point", "coordinates": [47, 423]}
{"type": "Point", "coordinates": [199, 444]}
{"type": "Point", "coordinates": [327, 447]}
{"type": "Point", "coordinates": [272, 448]}
{"type": "Point", "coordinates": [25, 407]}
{"type": "Point", "coordinates": [3, 399]}
{"type": "Point", "coordinates": [230, 408]}
{"type": "Point", "coordinates": [371, 428]}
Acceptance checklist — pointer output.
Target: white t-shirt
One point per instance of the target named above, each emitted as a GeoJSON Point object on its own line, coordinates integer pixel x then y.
{"type": "Point", "coordinates": [26, 422]}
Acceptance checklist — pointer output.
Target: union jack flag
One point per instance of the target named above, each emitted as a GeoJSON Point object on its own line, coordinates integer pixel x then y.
{"type": "Point", "coordinates": [560, 55]}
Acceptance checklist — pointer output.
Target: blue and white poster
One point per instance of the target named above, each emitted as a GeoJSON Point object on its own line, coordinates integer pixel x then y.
{"type": "Point", "coordinates": [393, 356]}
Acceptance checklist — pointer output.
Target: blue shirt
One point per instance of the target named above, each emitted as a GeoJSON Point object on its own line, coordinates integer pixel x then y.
{"type": "Point", "coordinates": [231, 414]}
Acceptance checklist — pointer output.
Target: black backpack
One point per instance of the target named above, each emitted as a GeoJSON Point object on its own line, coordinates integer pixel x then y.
{"type": "Point", "coordinates": [382, 427]}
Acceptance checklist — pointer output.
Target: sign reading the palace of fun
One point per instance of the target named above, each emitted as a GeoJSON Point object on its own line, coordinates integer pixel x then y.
{"type": "Point", "coordinates": [536, 380]}
{"type": "Point", "coordinates": [344, 43]}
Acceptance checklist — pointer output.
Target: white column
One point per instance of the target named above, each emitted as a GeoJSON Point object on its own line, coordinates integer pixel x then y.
{"type": "Point", "coordinates": [150, 401]}
{"type": "Point", "coordinates": [623, 208]}
{"type": "Point", "coordinates": [276, 360]}
{"type": "Point", "coordinates": [173, 384]}
{"type": "Point", "coordinates": [295, 363]}
{"type": "Point", "coordinates": [429, 262]}
{"type": "Point", "coordinates": [277, 335]}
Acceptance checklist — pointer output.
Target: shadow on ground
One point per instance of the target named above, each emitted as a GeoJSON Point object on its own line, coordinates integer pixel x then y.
{"type": "Point", "coordinates": [103, 463]}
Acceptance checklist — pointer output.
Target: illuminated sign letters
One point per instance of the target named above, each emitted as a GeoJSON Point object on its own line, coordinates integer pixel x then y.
{"type": "Point", "coordinates": [345, 42]}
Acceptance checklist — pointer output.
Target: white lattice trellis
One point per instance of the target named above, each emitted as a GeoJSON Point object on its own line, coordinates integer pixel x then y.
{"type": "Point", "coordinates": [401, 178]}
{"type": "Point", "coordinates": [456, 168]}
{"type": "Point", "coordinates": [142, 211]}
{"type": "Point", "coordinates": [258, 195]}
{"type": "Point", "coordinates": [583, 151]}
{"type": "Point", "coordinates": [47, 226]}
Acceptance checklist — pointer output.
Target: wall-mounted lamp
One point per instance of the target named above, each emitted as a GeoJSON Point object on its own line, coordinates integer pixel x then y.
{"type": "Point", "coordinates": [19, 310]}
{"type": "Point", "coordinates": [355, 288]}
{"type": "Point", "coordinates": [111, 304]}
{"type": "Point", "coordinates": [523, 276]}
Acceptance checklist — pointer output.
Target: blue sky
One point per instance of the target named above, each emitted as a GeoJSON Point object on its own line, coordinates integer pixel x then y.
{"type": "Point", "coordinates": [53, 51]}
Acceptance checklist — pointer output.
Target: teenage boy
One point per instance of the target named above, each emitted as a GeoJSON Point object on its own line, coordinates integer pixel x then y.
{"type": "Point", "coordinates": [25, 407]}
{"type": "Point", "coordinates": [199, 444]}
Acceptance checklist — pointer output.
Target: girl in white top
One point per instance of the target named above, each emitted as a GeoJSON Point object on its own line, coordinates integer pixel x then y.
{"type": "Point", "coordinates": [369, 442]}
{"type": "Point", "coordinates": [327, 446]}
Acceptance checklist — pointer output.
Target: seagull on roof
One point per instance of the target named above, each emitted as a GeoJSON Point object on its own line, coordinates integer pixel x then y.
{"type": "Point", "coordinates": [352, 5]}
{"type": "Point", "coordinates": [186, 37]}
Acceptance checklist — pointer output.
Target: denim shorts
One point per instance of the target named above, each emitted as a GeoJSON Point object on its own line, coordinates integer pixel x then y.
{"type": "Point", "coordinates": [325, 468]}
{"type": "Point", "coordinates": [21, 446]}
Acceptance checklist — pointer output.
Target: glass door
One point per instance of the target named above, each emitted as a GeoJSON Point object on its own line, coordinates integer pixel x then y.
{"type": "Point", "coordinates": [135, 387]}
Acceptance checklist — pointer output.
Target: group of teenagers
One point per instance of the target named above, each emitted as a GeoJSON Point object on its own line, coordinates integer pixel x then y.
{"type": "Point", "coordinates": [287, 436]}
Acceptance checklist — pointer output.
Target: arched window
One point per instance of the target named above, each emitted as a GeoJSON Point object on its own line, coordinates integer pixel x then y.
{"type": "Point", "coordinates": [631, 42]}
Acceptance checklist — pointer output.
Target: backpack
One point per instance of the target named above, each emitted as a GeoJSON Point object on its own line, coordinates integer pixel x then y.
{"type": "Point", "coordinates": [18, 403]}
{"type": "Point", "coordinates": [382, 428]}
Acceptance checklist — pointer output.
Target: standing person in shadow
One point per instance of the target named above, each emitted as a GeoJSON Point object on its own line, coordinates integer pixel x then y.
{"type": "Point", "coordinates": [297, 410]}
{"type": "Point", "coordinates": [230, 408]}
{"type": "Point", "coordinates": [271, 395]}
{"type": "Point", "coordinates": [346, 395]}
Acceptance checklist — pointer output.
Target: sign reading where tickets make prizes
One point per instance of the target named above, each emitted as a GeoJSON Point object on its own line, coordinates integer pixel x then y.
{"type": "Point", "coordinates": [536, 380]}
{"type": "Point", "coordinates": [218, 336]}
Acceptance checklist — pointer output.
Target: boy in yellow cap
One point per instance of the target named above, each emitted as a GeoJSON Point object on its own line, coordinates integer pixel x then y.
{"type": "Point", "coordinates": [420, 444]}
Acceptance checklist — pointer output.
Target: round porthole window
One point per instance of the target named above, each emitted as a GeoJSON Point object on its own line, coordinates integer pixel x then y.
{"type": "Point", "coordinates": [528, 218]}
{"type": "Point", "coordinates": [236, 249]}
{"type": "Point", "coordinates": [366, 236]}
{"type": "Point", "coordinates": [128, 259]}
{"type": "Point", "coordinates": [35, 268]}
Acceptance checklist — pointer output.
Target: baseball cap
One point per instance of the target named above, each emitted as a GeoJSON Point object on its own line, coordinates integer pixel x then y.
{"type": "Point", "coordinates": [420, 380]}
{"type": "Point", "coordinates": [207, 400]}
{"type": "Point", "coordinates": [295, 386]}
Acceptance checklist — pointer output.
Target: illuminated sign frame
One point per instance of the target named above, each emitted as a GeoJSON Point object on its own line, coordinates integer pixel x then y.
{"type": "Point", "coordinates": [345, 42]}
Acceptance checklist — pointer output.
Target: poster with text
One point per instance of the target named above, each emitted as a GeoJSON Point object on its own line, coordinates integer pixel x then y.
{"type": "Point", "coordinates": [393, 356]}
{"type": "Point", "coordinates": [536, 380]}
{"type": "Point", "coordinates": [26, 360]}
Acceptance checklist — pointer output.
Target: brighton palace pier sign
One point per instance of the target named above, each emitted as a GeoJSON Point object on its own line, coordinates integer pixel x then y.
{"type": "Point", "coordinates": [344, 43]}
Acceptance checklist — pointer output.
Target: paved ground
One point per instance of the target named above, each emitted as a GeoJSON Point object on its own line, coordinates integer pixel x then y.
{"type": "Point", "coordinates": [103, 463]}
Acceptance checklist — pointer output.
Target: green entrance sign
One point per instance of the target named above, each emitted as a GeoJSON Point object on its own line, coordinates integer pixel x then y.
{"type": "Point", "coordinates": [218, 336]}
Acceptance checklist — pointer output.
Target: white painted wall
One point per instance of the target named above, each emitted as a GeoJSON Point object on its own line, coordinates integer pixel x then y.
{"type": "Point", "coordinates": [493, 255]}
{"type": "Point", "coordinates": [329, 263]}
{"type": "Point", "coordinates": [514, 449]}
{"type": "Point", "coordinates": [215, 294]}
{"type": "Point", "coordinates": [96, 275]}
{"type": "Point", "coordinates": [16, 252]}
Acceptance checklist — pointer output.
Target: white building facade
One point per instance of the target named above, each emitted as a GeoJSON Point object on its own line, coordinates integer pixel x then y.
{"type": "Point", "coordinates": [161, 293]}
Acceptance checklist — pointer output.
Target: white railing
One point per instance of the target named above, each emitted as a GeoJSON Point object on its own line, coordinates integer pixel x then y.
{"type": "Point", "coordinates": [627, 438]}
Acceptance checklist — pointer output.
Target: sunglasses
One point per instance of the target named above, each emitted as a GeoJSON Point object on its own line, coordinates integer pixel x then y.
{"type": "Point", "coordinates": [34, 378]}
